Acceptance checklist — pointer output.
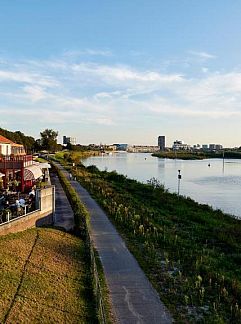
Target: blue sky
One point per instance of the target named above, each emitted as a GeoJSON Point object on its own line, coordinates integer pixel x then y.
{"type": "Point", "coordinates": [122, 71]}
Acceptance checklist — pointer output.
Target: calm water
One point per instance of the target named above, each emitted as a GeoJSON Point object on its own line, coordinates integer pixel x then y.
{"type": "Point", "coordinates": [218, 185]}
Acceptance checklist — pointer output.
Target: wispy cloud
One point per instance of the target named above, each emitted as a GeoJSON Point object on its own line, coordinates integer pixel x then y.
{"type": "Point", "coordinates": [35, 93]}
{"type": "Point", "coordinates": [123, 73]}
{"type": "Point", "coordinates": [203, 55]}
{"type": "Point", "coordinates": [26, 76]}
{"type": "Point", "coordinates": [88, 52]}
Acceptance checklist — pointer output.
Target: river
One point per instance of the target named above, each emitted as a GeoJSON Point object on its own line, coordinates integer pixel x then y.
{"type": "Point", "coordinates": [213, 181]}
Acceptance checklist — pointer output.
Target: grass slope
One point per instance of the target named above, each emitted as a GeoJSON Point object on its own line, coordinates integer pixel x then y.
{"type": "Point", "coordinates": [44, 278]}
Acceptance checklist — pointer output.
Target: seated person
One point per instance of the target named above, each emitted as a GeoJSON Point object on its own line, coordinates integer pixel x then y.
{"type": "Point", "coordinates": [32, 193]}
{"type": "Point", "coordinates": [22, 202]}
{"type": "Point", "coordinates": [14, 207]}
{"type": "Point", "coordinates": [2, 202]}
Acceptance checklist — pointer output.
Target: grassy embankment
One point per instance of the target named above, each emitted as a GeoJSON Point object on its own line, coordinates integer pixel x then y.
{"type": "Point", "coordinates": [182, 155]}
{"type": "Point", "coordinates": [44, 278]}
{"type": "Point", "coordinates": [191, 253]}
{"type": "Point", "coordinates": [75, 156]}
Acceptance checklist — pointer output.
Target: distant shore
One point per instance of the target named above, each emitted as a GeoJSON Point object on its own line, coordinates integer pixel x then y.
{"type": "Point", "coordinates": [198, 155]}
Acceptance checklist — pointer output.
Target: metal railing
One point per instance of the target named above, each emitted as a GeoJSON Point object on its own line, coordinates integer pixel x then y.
{"type": "Point", "coordinates": [7, 216]}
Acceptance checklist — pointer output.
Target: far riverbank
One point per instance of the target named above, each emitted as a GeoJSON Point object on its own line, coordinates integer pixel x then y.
{"type": "Point", "coordinates": [182, 155]}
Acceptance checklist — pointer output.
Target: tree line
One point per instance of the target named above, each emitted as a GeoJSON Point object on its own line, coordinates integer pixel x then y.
{"type": "Point", "coordinates": [47, 140]}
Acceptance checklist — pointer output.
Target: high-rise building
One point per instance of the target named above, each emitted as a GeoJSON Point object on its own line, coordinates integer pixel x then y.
{"type": "Point", "coordinates": [70, 140]}
{"type": "Point", "coordinates": [64, 140]}
{"type": "Point", "coordinates": [162, 143]}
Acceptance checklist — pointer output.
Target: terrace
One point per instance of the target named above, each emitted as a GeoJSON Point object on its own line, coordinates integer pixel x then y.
{"type": "Point", "coordinates": [19, 172]}
{"type": "Point", "coordinates": [14, 205]}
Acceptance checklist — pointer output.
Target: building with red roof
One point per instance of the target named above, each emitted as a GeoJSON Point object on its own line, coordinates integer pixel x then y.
{"type": "Point", "coordinates": [15, 165]}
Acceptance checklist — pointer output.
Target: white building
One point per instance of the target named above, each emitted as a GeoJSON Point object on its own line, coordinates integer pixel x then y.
{"type": "Point", "coordinates": [215, 147]}
{"type": "Point", "coordinates": [7, 147]}
{"type": "Point", "coordinates": [143, 149]}
{"type": "Point", "coordinates": [180, 145]}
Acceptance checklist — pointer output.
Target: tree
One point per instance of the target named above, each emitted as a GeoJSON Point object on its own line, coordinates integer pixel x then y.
{"type": "Point", "coordinates": [49, 140]}
{"type": "Point", "coordinates": [19, 138]}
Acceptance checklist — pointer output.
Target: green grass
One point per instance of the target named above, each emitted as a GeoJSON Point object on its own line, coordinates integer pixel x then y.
{"type": "Point", "coordinates": [41, 160]}
{"type": "Point", "coordinates": [44, 278]}
{"type": "Point", "coordinates": [75, 156]}
{"type": "Point", "coordinates": [191, 253]}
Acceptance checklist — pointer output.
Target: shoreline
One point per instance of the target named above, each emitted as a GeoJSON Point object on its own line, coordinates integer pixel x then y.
{"type": "Point", "coordinates": [198, 155]}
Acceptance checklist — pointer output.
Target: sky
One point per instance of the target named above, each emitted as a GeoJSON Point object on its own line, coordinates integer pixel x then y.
{"type": "Point", "coordinates": [108, 71]}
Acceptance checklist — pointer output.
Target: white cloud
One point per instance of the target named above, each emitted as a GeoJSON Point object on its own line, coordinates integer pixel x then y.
{"type": "Point", "coordinates": [124, 74]}
{"type": "Point", "coordinates": [103, 121]}
{"type": "Point", "coordinates": [203, 55]}
{"type": "Point", "coordinates": [88, 51]}
{"type": "Point", "coordinates": [35, 93]}
{"type": "Point", "coordinates": [204, 70]}
{"type": "Point", "coordinates": [27, 77]}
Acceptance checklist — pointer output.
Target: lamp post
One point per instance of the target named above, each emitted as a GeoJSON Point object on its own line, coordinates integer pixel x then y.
{"type": "Point", "coordinates": [223, 161]}
{"type": "Point", "coordinates": [179, 177]}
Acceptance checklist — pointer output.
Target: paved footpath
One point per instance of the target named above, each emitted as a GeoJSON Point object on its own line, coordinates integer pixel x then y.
{"type": "Point", "coordinates": [64, 216]}
{"type": "Point", "coordinates": [133, 298]}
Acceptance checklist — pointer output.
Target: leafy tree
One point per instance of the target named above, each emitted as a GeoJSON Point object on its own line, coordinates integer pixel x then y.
{"type": "Point", "coordinates": [49, 140]}
{"type": "Point", "coordinates": [18, 137]}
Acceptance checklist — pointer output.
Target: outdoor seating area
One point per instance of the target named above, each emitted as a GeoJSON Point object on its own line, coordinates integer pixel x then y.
{"type": "Point", "coordinates": [20, 175]}
{"type": "Point", "coordinates": [15, 204]}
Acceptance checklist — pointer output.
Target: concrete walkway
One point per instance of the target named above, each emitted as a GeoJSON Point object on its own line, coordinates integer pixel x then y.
{"type": "Point", "coordinates": [133, 298]}
{"type": "Point", "coordinates": [64, 216]}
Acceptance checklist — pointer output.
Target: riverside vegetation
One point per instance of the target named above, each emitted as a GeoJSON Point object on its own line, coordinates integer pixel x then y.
{"type": "Point", "coordinates": [186, 155]}
{"type": "Point", "coordinates": [191, 253]}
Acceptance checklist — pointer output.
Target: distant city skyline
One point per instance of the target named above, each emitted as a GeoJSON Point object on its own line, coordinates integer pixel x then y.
{"type": "Point", "coordinates": [122, 72]}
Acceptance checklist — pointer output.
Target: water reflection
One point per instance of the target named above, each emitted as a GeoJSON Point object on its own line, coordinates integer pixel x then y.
{"type": "Point", "coordinates": [216, 182]}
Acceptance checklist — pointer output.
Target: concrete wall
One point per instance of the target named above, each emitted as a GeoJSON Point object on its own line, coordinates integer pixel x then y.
{"type": "Point", "coordinates": [46, 198]}
{"type": "Point", "coordinates": [43, 216]}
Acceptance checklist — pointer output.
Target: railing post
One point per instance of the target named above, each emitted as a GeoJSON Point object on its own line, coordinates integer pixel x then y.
{"type": "Point", "coordinates": [53, 203]}
{"type": "Point", "coordinates": [8, 218]}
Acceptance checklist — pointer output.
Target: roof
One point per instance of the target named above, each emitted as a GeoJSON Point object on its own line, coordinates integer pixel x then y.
{"type": "Point", "coordinates": [42, 165]}
{"type": "Point", "coordinates": [32, 172]}
{"type": "Point", "coordinates": [5, 140]}
{"type": "Point", "coordinates": [45, 165]}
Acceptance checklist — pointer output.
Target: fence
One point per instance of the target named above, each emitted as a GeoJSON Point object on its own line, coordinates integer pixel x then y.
{"type": "Point", "coordinates": [7, 215]}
